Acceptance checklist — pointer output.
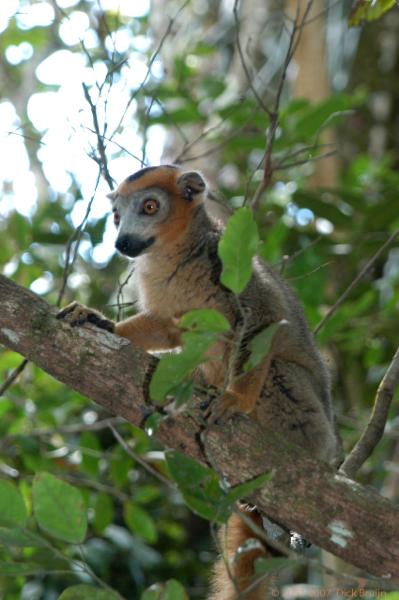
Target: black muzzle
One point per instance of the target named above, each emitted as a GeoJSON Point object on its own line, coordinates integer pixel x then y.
{"type": "Point", "coordinates": [131, 245]}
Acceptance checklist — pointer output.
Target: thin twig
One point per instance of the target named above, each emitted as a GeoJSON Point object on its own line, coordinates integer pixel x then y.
{"type": "Point", "coordinates": [376, 425]}
{"type": "Point", "coordinates": [65, 429]}
{"type": "Point", "coordinates": [214, 148]}
{"type": "Point", "coordinates": [102, 160]}
{"type": "Point", "coordinates": [309, 273]}
{"type": "Point", "coordinates": [348, 290]}
{"type": "Point", "coordinates": [75, 237]}
{"type": "Point", "coordinates": [140, 460]}
{"type": "Point", "coordinates": [181, 156]}
{"type": "Point", "coordinates": [244, 64]}
{"type": "Point", "coordinates": [322, 12]}
{"type": "Point", "coordinates": [109, 489]}
{"type": "Point", "coordinates": [13, 376]}
{"type": "Point", "coordinates": [305, 161]}
{"type": "Point", "coordinates": [155, 54]}
{"type": "Point", "coordinates": [108, 139]}
{"type": "Point", "coordinates": [305, 148]}
{"type": "Point", "coordinates": [298, 253]}
{"type": "Point", "coordinates": [274, 114]}
{"type": "Point", "coordinates": [119, 296]}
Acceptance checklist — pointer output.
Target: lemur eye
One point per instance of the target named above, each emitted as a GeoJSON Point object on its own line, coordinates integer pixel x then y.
{"type": "Point", "coordinates": [150, 206]}
{"type": "Point", "coordinates": [116, 217]}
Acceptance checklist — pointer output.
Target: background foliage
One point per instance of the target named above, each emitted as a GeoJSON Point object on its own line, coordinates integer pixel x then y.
{"type": "Point", "coordinates": [79, 505]}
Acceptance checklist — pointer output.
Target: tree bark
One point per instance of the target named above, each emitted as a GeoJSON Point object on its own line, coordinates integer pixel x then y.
{"type": "Point", "coordinates": [306, 495]}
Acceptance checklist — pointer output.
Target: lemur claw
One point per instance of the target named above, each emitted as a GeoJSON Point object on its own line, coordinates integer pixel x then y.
{"type": "Point", "coordinates": [77, 314]}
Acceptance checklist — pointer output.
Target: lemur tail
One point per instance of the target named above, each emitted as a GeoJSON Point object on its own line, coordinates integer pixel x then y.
{"type": "Point", "coordinates": [238, 581]}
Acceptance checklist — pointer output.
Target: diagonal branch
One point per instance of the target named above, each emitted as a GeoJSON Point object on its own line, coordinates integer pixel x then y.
{"type": "Point", "coordinates": [392, 238]}
{"type": "Point", "coordinates": [376, 425]}
{"type": "Point", "coordinates": [306, 495]}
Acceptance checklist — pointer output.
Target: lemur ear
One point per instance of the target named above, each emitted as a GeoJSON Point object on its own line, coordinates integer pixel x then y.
{"type": "Point", "coordinates": [191, 184]}
{"type": "Point", "coordinates": [111, 196]}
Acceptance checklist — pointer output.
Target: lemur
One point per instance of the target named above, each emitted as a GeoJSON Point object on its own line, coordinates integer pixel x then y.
{"type": "Point", "coordinates": [162, 223]}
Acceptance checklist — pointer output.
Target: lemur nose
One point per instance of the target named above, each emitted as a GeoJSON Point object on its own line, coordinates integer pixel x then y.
{"type": "Point", "coordinates": [131, 245]}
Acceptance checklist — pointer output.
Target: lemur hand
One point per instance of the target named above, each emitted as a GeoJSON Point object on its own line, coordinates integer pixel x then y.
{"type": "Point", "coordinates": [77, 314]}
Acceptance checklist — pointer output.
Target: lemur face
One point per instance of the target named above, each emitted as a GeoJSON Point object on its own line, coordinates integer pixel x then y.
{"type": "Point", "coordinates": [153, 207]}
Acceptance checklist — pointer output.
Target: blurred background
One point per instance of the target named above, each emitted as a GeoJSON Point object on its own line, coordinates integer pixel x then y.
{"type": "Point", "coordinates": [91, 91]}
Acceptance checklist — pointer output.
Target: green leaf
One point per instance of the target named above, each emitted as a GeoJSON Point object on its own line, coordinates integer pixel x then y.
{"type": "Point", "coordinates": [119, 466]}
{"type": "Point", "coordinates": [172, 590]}
{"type": "Point", "coordinates": [103, 512]}
{"type": "Point", "coordinates": [259, 345]}
{"type": "Point", "coordinates": [272, 248]}
{"type": "Point", "coordinates": [199, 486]}
{"type": "Point", "coordinates": [323, 114]}
{"type": "Point", "coordinates": [369, 10]}
{"type": "Point", "coordinates": [140, 522]}
{"type": "Point", "coordinates": [185, 471]}
{"type": "Point", "coordinates": [206, 320]}
{"type": "Point", "coordinates": [146, 493]}
{"type": "Point", "coordinates": [340, 321]}
{"type": "Point", "coordinates": [12, 506]}
{"type": "Point", "coordinates": [18, 569]}
{"type": "Point", "coordinates": [172, 369]}
{"type": "Point", "coordinates": [212, 88]}
{"type": "Point", "coordinates": [237, 248]}
{"type": "Point", "coordinates": [243, 490]}
{"type": "Point", "coordinates": [227, 501]}
{"type": "Point", "coordinates": [59, 508]}
{"type": "Point", "coordinates": [89, 447]}
{"type": "Point", "coordinates": [20, 230]}
{"type": "Point", "coordinates": [183, 393]}
{"type": "Point", "coordinates": [88, 592]}
{"type": "Point", "coordinates": [155, 592]}
{"type": "Point", "coordinates": [20, 538]}
{"type": "Point", "coordinates": [153, 422]}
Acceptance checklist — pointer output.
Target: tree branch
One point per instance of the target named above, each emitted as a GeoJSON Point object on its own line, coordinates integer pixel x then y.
{"type": "Point", "coordinates": [376, 425]}
{"type": "Point", "coordinates": [305, 495]}
{"type": "Point", "coordinates": [354, 283]}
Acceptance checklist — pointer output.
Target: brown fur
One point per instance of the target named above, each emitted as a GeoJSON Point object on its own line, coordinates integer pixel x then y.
{"type": "Point", "coordinates": [180, 271]}
{"type": "Point", "coordinates": [163, 177]}
{"type": "Point", "coordinates": [242, 565]}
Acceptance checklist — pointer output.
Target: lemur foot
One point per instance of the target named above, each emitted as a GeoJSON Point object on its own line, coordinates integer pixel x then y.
{"type": "Point", "coordinates": [224, 408]}
{"type": "Point", "coordinates": [77, 314]}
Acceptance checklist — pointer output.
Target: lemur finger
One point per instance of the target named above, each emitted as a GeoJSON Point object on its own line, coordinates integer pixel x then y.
{"type": "Point", "coordinates": [100, 321]}
{"type": "Point", "coordinates": [66, 310]}
{"type": "Point", "coordinates": [76, 314]}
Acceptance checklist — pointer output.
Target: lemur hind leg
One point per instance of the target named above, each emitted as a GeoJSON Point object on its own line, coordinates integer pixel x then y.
{"type": "Point", "coordinates": [242, 394]}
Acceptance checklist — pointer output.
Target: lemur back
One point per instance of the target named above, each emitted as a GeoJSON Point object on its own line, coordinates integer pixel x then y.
{"type": "Point", "coordinates": [163, 224]}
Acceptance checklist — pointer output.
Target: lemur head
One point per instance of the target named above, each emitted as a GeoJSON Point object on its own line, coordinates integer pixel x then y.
{"type": "Point", "coordinates": [154, 207]}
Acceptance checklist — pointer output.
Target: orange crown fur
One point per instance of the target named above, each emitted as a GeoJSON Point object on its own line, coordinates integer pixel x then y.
{"type": "Point", "coordinates": [164, 177]}
{"type": "Point", "coordinates": [183, 188]}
